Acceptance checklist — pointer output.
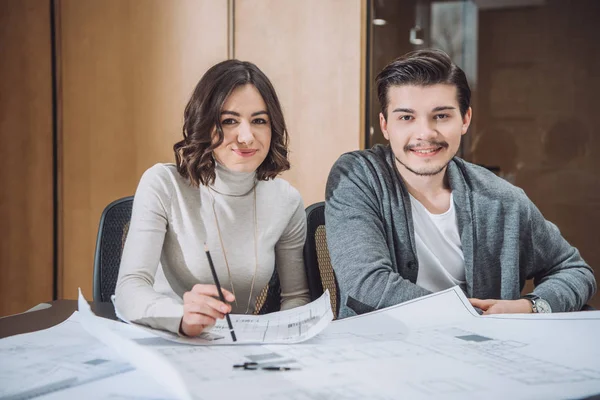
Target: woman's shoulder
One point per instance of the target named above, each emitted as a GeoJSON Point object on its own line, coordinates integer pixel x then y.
{"type": "Point", "coordinates": [282, 190]}
{"type": "Point", "coordinates": [161, 170]}
{"type": "Point", "coordinates": [162, 178]}
{"type": "Point", "coordinates": [164, 172]}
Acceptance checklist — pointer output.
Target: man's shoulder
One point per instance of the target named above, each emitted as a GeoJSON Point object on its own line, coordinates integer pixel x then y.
{"type": "Point", "coordinates": [378, 152]}
{"type": "Point", "coordinates": [483, 181]}
{"type": "Point", "coordinates": [375, 158]}
{"type": "Point", "coordinates": [363, 172]}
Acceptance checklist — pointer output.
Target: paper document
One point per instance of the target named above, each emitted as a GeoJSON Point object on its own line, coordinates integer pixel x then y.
{"type": "Point", "coordinates": [436, 346]}
{"type": "Point", "coordinates": [61, 361]}
{"type": "Point", "coordinates": [289, 326]}
{"type": "Point", "coordinates": [432, 347]}
{"type": "Point", "coordinates": [145, 360]}
{"type": "Point", "coordinates": [133, 385]}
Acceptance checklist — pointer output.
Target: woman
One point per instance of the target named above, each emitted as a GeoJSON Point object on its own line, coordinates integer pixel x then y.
{"type": "Point", "coordinates": [222, 191]}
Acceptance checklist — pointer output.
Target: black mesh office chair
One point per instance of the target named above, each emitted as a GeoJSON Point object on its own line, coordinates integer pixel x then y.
{"type": "Point", "coordinates": [316, 258]}
{"type": "Point", "coordinates": [269, 299]}
{"type": "Point", "coordinates": [114, 224]}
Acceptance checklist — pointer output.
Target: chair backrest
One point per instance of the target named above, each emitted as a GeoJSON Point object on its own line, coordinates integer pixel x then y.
{"type": "Point", "coordinates": [316, 258]}
{"type": "Point", "coordinates": [269, 298]}
{"type": "Point", "coordinates": [112, 232]}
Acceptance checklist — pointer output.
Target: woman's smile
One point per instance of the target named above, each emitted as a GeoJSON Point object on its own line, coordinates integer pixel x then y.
{"type": "Point", "coordinates": [245, 152]}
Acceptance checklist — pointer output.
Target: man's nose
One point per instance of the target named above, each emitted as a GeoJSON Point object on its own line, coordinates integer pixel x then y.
{"type": "Point", "coordinates": [426, 129]}
{"type": "Point", "coordinates": [245, 134]}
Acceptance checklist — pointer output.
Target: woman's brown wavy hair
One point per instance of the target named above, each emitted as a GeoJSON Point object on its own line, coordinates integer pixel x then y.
{"type": "Point", "coordinates": [202, 117]}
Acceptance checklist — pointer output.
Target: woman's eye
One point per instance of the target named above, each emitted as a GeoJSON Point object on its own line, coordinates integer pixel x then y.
{"type": "Point", "coordinates": [260, 121]}
{"type": "Point", "coordinates": [228, 121]}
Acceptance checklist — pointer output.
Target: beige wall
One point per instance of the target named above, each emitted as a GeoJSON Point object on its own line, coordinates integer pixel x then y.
{"type": "Point", "coordinates": [312, 52]}
{"type": "Point", "coordinates": [127, 69]}
{"type": "Point", "coordinates": [26, 204]}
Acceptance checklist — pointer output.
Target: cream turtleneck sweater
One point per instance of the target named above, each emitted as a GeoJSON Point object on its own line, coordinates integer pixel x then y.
{"type": "Point", "coordinates": [171, 220]}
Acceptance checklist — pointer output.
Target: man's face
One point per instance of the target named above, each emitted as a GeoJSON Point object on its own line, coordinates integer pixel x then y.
{"type": "Point", "coordinates": [424, 127]}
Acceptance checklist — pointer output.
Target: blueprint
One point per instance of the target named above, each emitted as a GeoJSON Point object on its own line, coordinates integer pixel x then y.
{"type": "Point", "coordinates": [289, 326]}
{"type": "Point", "coordinates": [56, 359]}
{"type": "Point", "coordinates": [432, 347]}
{"type": "Point", "coordinates": [132, 385]}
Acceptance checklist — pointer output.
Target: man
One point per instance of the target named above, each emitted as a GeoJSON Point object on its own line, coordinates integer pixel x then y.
{"type": "Point", "coordinates": [409, 219]}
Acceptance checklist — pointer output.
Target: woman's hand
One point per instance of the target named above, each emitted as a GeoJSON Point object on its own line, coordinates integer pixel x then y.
{"type": "Point", "coordinates": [521, 306]}
{"type": "Point", "coordinates": [201, 308]}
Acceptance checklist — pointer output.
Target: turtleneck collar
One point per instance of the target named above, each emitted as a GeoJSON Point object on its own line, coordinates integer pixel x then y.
{"type": "Point", "coordinates": [232, 183]}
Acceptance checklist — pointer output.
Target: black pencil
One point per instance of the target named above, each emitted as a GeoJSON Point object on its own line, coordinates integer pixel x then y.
{"type": "Point", "coordinates": [216, 278]}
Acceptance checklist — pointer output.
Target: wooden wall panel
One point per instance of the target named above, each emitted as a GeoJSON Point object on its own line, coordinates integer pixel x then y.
{"type": "Point", "coordinates": [26, 226]}
{"type": "Point", "coordinates": [537, 99]}
{"type": "Point", "coordinates": [312, 52]}
{"type": "Point", "coordinates": [127, 69]}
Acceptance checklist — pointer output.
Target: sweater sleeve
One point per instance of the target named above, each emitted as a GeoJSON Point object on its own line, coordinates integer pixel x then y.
{"type": "Point", "coordinates": [561, 276]}
{"type": "Point", "coordinates": [136, 298]}
{"type": "Point", "coordinates": [357, 242]}
{"type": "Point", "coordinates": [289, 259]}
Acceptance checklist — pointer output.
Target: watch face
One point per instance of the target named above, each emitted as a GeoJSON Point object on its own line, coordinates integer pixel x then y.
{"type": "Point", "coordinates": [542, 306]}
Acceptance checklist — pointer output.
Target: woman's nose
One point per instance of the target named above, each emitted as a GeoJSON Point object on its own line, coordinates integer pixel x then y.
{"type": "Point", "coordinates": [245, 134]}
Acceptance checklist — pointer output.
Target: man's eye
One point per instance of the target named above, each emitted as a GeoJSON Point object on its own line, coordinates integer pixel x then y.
{"type": "Point", "coordinates": [228, 121]}
{"type": "Point", "coordinates": [441, 116]}
{"type": "Point", "coordinates": [405, 117]}
{"type": "Point", "coordinates": [260, 121]}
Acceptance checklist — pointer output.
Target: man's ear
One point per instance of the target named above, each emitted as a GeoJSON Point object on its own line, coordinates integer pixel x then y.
{"type": "Point", "coordinates": [467, 120]}
{"type": "Point", "coordinates": [383, 125]}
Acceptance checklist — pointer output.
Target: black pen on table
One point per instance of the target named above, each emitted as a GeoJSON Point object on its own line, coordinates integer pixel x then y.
{"type": "Point", "coordinates": [216, 278]}
{"type": "Point", "coordinates": [276, 368]}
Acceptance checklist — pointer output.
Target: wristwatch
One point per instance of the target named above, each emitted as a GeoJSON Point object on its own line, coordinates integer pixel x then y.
{"type": "Point", "coordinates": [538, 304]}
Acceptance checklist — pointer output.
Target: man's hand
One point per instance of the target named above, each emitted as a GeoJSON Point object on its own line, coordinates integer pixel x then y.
{"type": "Point", "coordinates": [489, 306]}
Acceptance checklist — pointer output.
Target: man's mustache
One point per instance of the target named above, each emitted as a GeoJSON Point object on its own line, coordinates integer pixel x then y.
{"type": "Point", "coordinates": [422, 145]}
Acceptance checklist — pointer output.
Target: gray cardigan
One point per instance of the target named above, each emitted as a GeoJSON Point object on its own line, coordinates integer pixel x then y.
{"type": "Point", "coordinates": [505, 239]}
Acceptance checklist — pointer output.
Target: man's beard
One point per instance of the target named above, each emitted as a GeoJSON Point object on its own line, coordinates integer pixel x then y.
{"type": "Point", "coordinates": [425, 171]}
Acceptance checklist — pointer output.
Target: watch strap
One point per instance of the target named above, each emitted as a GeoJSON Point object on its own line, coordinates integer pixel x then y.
{"type": "Point", "coordinates": [533, 298]}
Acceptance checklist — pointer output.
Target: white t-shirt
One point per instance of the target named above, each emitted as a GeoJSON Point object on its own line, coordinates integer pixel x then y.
{"type": "Point", "coordinates": [439, 250]}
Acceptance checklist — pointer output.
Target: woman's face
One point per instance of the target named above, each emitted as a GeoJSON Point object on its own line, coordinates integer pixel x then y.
{"type": "Point", "coordinates": [246, 130]}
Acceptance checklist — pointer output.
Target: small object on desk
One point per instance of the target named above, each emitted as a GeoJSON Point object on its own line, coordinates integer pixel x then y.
{"type": "Point", "coordinates": [216, 278]}
{"type": "Point", "coordinates": [275, 368]}
{"type": "Point", "coordinates": [247, 365]}
{"type": "Point", "coordinates": [253, 366]}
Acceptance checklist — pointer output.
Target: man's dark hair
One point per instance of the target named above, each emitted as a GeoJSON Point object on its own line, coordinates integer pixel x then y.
{"type": "Point", "coordinates": [202, 117]}
{"type": "Point", "coordinates": [423, 68]}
